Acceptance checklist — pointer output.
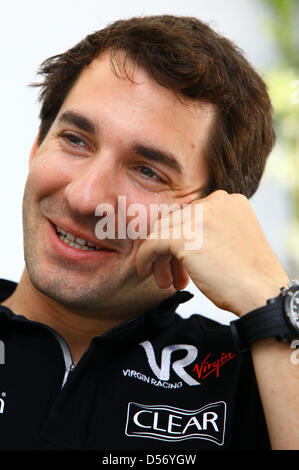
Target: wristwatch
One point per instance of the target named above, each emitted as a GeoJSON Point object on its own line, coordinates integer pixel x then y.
{"type": "Point", "coordinates": [279, 318]}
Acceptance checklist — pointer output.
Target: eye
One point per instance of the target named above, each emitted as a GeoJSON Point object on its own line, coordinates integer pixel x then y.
{"type": "Point", "coordinates": [149, 173]}
{"type": "Point", "coordinates": [74, 140]}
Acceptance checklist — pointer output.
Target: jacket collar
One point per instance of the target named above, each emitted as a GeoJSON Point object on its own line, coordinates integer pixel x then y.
{"type": "Point", "coordinates": [144, 325]}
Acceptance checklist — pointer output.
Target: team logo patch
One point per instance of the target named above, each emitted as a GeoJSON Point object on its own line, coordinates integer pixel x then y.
{"type": "Point", "coordinates": [168, 423]}
{"type": "Point", "coordinates": [162, 372]}
{"type": "Point", "coordinates": [168, 366]}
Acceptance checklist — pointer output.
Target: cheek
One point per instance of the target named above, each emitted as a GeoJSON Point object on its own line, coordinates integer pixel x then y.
{"type": "Point", "coordinates": [46, 176]}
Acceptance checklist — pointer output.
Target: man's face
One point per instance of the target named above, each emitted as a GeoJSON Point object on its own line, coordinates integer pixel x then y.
{"type": "Point", "coordinates": [111, 138]}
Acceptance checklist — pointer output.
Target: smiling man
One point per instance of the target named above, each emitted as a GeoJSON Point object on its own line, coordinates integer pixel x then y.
{"type": "Point", "coordinates": [111, 137]}
{"type": "Point", "coordinates": [160, 111]}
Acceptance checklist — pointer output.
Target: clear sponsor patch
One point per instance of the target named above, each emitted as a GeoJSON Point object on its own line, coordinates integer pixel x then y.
{"type": "Point", "coordinates": [169, 423]}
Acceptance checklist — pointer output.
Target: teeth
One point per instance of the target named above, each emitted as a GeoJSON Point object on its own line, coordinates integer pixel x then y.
{"type": "Point", "coordinates": [70, 237]}
{"type": "Point", "coordinates": [78, 243]}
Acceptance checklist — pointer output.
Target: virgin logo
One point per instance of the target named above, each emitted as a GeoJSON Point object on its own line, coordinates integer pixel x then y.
{"type": "Point", "coordinates": [163, 372]}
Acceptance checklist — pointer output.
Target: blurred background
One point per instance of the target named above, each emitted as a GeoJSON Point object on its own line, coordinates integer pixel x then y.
{"type": "Point", "coordinates": [266, 30]}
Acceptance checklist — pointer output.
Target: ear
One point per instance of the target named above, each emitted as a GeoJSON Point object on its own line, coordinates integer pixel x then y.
{"type": "Point", "coordinates": [33, 149]}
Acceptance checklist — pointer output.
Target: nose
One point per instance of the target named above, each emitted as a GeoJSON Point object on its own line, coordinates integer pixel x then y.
{"type": "Point", "coordinates": [94, 183]}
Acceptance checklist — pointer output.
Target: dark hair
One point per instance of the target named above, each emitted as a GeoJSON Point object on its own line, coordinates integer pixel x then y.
{"type": "Point", "coordinates": [187, 56]}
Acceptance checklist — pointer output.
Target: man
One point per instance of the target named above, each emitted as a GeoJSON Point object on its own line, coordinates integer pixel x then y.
{"type": "Point", "coordinates": [155, 110]}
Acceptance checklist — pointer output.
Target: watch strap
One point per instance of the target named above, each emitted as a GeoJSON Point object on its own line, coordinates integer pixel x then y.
{"type": "Point", "coordinates": [265, 322]}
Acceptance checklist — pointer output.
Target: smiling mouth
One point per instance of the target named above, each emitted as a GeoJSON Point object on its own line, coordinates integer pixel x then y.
{"type": "Point", "coordinates": [76, 242]}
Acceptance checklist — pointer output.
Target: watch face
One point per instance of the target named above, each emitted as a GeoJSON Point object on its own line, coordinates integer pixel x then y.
{"type": "Point", "coordinates": [293, 311]}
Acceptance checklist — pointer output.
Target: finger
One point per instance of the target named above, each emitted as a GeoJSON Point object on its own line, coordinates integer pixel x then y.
{"type": "Point", "coordinates": [148, 253]}
{"type": "Point", "coordinates": [162, 271]}
{"type": "Point", "coordinates": [180, 274]}
{"type": "Point", "coordinates": [172, 219]}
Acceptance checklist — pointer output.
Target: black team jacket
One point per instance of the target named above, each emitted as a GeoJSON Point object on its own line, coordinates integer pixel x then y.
{"type": "Point", "coordinates": [158, 381]}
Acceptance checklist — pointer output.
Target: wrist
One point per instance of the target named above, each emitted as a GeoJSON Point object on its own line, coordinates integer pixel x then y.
{"type": "Point", "coordinates": [258, 295]}
{"type": "Point", "coordinates": [279, 318]}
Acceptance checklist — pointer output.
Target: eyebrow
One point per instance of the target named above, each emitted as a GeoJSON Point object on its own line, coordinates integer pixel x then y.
{"type": "Point", "coordinates": [82, 122]}
{"type": "Point", "coordinates": [160, 156]}
{"type": "Point", "coordinates": [154, 154]}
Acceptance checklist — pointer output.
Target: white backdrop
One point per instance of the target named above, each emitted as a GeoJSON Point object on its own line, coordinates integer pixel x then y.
{"type": "Point", "coordinates": [33, 30]}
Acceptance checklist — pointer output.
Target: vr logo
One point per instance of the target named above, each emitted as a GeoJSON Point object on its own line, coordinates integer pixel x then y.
{"type": "Point", "coordinates": [163, 372]}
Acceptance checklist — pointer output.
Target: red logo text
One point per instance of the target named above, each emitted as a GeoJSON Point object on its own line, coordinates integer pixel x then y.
{"type": "Point", "coordinates": [207, 367]}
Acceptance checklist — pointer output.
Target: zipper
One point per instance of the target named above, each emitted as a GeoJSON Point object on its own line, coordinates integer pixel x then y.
{"type": "Point", "coordinates": [73, 366]}
{"type": "Point", "coordinates": [68, 360]}
{"type": "Point", "coordinates": [70, 366]}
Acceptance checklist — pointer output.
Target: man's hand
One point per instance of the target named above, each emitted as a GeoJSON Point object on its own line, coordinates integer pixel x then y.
{"type": "Point", "coordinates": [234, 266]}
